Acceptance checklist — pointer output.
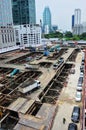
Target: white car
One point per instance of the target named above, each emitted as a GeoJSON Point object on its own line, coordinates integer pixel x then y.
{"type": "Point", "coordinates": [78, 96]}
{"type": "Point", "coordinates": [81, 74]}
{"type": "Point", "coordinates": [27, 66]}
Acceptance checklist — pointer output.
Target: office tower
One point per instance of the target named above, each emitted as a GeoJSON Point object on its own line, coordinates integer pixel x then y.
{"type": "Point", "coordinates": [84, 27]}
{"type": "Point", "coordinates": [77, 20]}
{"type": "Point", "coordinates": [78, 28]}
{"type": "Point", "coordinates": [72, 21]}
{"type": "Point", "coordinates": [23, 12]}
{"type": "Point", "coordinates": [47, 20]}
{"type": "Point", "coordinates": [5, 13]}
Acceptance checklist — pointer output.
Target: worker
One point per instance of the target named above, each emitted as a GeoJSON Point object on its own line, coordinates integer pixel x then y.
{"type": "Point", "coordinates": [64, 120]}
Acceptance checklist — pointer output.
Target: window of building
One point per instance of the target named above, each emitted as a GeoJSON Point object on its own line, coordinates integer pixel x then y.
{"type": "Point", "coordinates": [5, 38]}
{"type": "Point", "coordinates": [2, 38]}
{"type": "Point", "coordinates": [8, 38]}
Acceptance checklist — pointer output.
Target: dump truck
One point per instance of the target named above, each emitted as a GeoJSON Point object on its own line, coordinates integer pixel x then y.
{"type": "Point", "coordinates": [27, 86]}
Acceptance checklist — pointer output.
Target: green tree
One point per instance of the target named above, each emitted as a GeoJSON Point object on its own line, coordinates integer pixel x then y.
{"type": "Point", "coordinates": [54, 35]}
{"type": "Point", "coordinates": [76, 37]}
{"type": "Point", "coordinates": [83, 36]}
{"type": "Point", "coordinates": [68, 34]}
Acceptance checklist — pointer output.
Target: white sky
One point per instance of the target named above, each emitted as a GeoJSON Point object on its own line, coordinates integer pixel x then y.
{"type": "Point", "coordinates": [61, 11]}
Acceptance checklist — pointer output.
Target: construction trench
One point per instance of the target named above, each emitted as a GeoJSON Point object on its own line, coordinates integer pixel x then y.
{"type": "Point", "coordinates": [52, 91]}
{"type": "Point", "coordinates": [26, 58]}
{"type": "Point", "coordinates": [19, 111]}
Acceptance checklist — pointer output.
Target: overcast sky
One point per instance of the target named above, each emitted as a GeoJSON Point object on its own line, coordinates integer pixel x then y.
{"type": "Point", "coordinates": [61, 11]}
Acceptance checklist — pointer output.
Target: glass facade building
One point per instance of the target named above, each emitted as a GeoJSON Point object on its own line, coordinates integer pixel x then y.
{"type": "Point", "coordinates": [77, 16]}
{"type": "Point", "coordinates": [47, 18]}
{"type": "Point", "coordinates": [23, 12]}
{"type": "Point", "coordinates": [72, 21]}
{"type": "Point", "coordinates": [5, 13]}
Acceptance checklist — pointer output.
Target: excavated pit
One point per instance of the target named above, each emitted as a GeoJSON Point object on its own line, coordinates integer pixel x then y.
{"type": "Point", "coordinates": [26, 58]}
{"type": "Point", "coordinates": [45, 64]}
{"type": "Point", "coordinates": [52, 91]}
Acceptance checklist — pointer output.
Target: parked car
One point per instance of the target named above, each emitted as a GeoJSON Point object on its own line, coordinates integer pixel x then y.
{"type": "Point", "coordinates": [81, 74]}
{"type": "Point", "coordinates": [79, 85]}
{"type": "Point", "coordinates": [72, 126]}
{"type": "Point", "coordinates": [75, 114]}
{"type": "Point", "coordinates": [82, 68]}
{"type": "Point", "coordinates": [79, 88]}
{"type": "Point", "coordinates": [78, 96]}
{"type": "Point", "coordinates": [55, 66]}
{"type": "Point", "coordinates": [81, 79]}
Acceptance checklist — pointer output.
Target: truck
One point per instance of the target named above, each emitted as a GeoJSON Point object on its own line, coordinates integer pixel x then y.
{"type": "Point", "coordinates": [33, 67]}
{"type": "Point", "coordinates": [28, 86]}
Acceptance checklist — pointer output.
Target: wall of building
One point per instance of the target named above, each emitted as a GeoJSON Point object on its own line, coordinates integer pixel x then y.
{"type": "Point", "coordinates": [78, 29]}
{"type": "Point", "coordinates": [7, 37]}
{"type": "Point", "coordinates": [5, 12]}
{"type": "Point", "coordinates": [84, 27]}
{"type": "Point", "coordinates": [23, 12]}
{"type": "Point", "coordinates": [28, 35]}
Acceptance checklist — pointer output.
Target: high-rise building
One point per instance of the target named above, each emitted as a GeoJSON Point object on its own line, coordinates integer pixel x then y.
{"type": "Point", "coordinates": [78, 28]}
{"type": "Point", "coordinates": [5, 13]}
{"type": "Point", "coordinates": [47, 19]}
{"type": "Point", "coordinates": [72, 21]}
{"type": "Point", "coordinates": [84, 27]}
{"type": "Point", "coordinates": [77, 16]}
{"type": "Point", "coordinates": [23, 12]}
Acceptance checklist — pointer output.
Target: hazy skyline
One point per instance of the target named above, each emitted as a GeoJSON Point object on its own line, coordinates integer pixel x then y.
{"type": "Point", "coordinates": [61, 11]}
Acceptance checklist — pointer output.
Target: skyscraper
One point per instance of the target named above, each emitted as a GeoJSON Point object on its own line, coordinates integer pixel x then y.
{"type": "Point", "coordinates": [72, 21]}
{"type": "Point", "coordinates": [5, 12]}
{"type": "Point", "coordinates": [77, 16]}
{"type": "Point", "coordinates": [23, 12]}
{"type": "Point", "coordinates": [78, 28]}
{"type": "Point", "coordinates": [47, 19]}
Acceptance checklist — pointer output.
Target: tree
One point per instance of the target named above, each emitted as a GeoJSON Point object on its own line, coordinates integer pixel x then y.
{"type": "Point", "coordinates": [76, 37]}
{"type": "Point", "coordinates": [68, 34]}
{"type": "Point", "coordinates": [83, 36]}
{"type": "Point", "coordinates": [54, 35]}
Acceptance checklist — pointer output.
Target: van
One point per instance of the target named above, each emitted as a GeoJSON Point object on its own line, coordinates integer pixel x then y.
{"type": "Point", "coordinates": [81, 74]}
{"type": "Point", "coordinates": [75, 117]}
{"type": "Point", "coordinates": [72, 126]}
{"type": "Point", "coordinates": [79, 85]}
{"type": "Point", "coordinates": [78, 96]}
{"type": "Point", "coordinates": [82, 68]}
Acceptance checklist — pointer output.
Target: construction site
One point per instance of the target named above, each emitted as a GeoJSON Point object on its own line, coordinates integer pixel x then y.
{"type": "Point", "coordinates": [34, 87]}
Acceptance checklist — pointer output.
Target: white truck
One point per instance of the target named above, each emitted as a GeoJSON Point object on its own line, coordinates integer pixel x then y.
{"type": "Point", "coordinates": [29, 85]}
{"type": "Point", "coordinates": [33, 67]}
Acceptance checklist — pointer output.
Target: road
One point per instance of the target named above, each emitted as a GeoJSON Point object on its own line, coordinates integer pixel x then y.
{"type": "Point", "coordinates": [66, 100]}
